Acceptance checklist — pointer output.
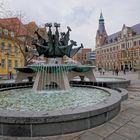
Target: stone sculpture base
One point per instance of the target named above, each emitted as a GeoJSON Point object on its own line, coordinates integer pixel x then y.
{"type": "Point", "coordinates": [43, 80]}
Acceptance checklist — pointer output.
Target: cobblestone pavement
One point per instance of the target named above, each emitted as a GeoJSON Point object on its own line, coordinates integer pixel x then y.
{"type": "Point", "coordinates": [125, 126]}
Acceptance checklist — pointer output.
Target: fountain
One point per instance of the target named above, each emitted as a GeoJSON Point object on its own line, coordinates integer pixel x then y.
{"type": "Point", "coordinates": [52, 106]}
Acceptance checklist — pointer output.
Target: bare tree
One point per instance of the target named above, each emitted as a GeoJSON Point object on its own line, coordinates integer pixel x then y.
{"type": "Point", "coordinates": [23, 33]}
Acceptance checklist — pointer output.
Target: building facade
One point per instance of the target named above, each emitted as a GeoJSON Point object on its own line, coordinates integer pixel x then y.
{"type": "Point", "coordinates": [81, 56]}
{"type": "Point", "coordinates": [120, 50]}
{"type": "Point", "coordinates": [91, 57]}
{"type": "Point", "coordinates": [10, 54]}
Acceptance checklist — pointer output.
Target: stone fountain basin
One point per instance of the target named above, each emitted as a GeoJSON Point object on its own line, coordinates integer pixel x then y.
{"type": "Point", "coordinates": [55, 68]}
{"type": "Point", "coordinates": [32, 124]}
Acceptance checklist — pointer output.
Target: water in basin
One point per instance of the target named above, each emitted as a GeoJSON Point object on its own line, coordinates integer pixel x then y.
{"type": "Point", "coordinates": [29, 100]}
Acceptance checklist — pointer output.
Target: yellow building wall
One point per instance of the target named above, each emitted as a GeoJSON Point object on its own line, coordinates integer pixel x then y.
{"type": "Point", "coordinates": [12, 55]}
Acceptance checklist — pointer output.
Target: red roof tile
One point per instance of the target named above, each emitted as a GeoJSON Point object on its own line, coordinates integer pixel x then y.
{"type": "Point", "coordinates": [14, 24]}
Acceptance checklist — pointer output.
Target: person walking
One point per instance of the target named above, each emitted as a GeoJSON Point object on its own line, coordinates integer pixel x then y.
{"type": "Point", "coordinates": [117, 71]}
{"type": "Point", "coordinates": [124, 71]}
{"type": "Point", "coordinates": [103, 71]}
{"type": "Point", "coordinates": [10, 75]}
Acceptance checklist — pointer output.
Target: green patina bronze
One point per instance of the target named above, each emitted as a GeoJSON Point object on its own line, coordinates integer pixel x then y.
{"type": "Point", "coordinates": [81, 68]}
{"type": "Point", "coordinates": [51, 68]}
{"type": "Point", "coordinates": [55, 46]}
{"type": "Point", "coordinates": [54, 68]}
{"type": "Point", "coordinates": [25, 70]}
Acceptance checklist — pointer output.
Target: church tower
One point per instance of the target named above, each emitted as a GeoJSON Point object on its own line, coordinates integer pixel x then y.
{"type": "Point", "coordinates": [101, 34]}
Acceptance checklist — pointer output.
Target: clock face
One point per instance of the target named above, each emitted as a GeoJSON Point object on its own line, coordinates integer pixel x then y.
{"type": "Point", "coordinates": [98, 42]}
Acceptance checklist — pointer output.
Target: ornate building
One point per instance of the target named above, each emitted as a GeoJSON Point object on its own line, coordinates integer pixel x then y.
{"type": "Point", "coordinates": [15, 37]}
{"type": "Point", "coordinates": [119, 50]}
{"type": "Point", "coordinates": [10, 55]}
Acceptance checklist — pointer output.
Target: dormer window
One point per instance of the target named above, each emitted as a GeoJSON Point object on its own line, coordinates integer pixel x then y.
{"type": "Point", "coordinates": [111, 40]}
{"type": "Point", "coordinates": [116, 39]}
{"type": "Point", "coordinates": [133, 33]}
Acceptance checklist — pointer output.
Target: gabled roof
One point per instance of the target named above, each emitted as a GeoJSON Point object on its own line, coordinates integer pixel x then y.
{"type": "Point", "coordinates": [135, 28]}
{"type": "Point", "coordinates": [113, 36]}
{"type": "Point", "coordinates": [14, 24]}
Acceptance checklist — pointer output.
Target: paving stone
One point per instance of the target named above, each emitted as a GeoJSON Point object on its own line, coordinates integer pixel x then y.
{"type": "Point", "coordinates": [90, 136]}
{"type": "Point", "coordinates": [138, 138]}
{"type": "Point", "coordinates": [115, 136]}
{"type": "Point", "coordinates": [67, 136]}
{"type": "Point", "coordinates": [105, 129]}
{"type": "Point", "coordinates": [127, 113]}
{"type": "Point", "coordinates": [123, 107]}
{"type": "Point", "coordinates": [135, 122]}
{"type": "Point", "coordinates": [129, 131]}
{"type": "Point", "coordinates": [120, 121]}
{"type": "Point", "coordinates": [132, 110]}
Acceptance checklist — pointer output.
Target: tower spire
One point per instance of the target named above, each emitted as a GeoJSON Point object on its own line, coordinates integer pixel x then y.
{"type": "Point", "coordinates": [101, 16]}
{"type": "Point", "coordinates": [101, 32]}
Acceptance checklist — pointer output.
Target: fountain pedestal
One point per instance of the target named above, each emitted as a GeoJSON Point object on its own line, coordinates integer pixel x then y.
{"type": "Point", "coordinates": [43, 80]}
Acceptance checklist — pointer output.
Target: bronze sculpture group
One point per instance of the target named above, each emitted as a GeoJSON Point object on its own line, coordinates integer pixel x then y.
{"type": "Point", "coordinates": [57, 45]}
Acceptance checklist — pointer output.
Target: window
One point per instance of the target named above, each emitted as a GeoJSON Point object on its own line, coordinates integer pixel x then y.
{"type": "Point", "coordinates": [9, 48]}
{"type": "Point", "coordinates": [9, 64]}
{"type": "Point", "coordinates": [2, 46]}
{"type": "Point", "coordinates": [135, 43]}
{"type": "Point", "coordinates": [2, 63]}
{"type": "Point", "coordinates": [128, 45]}
{"type": "Point", "coordinates": [12, 34]}
{"type": "Point", "coordinates": [122, 45]}
{"type": "Point", "coordinates": [135, 54]}
{"type": "Point", "coordinates": [16, 63]}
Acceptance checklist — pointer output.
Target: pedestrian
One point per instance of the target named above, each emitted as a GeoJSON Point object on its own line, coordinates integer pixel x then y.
{"type": "Point", "coordinates": [103, 71]}
{"type": "Point", "coordinates": [124, 71]}
{"type": "Point", "coordinates": [117, 71]}
{"type": "Point", "coordinates": [10, 75]}
{"type": "Point", "coordinates": [100, 71]}
{"type": "Point", "coordinates": [113, 71]}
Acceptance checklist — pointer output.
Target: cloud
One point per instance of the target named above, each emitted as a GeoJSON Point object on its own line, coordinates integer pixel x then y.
{"type": "Point", "coordinates": [81, 15]}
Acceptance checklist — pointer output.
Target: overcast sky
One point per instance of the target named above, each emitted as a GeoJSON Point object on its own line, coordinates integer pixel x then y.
{"type": "Point", "coordinates": [81, 15]}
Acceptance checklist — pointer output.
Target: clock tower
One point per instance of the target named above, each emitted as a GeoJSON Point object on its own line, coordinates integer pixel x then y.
{"type": "Point", "coordinates": [101, 34]}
